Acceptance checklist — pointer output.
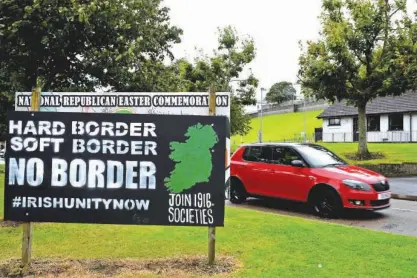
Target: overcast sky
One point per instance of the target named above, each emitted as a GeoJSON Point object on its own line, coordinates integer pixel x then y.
{"type": "Point", "coordinates": [275, 25]}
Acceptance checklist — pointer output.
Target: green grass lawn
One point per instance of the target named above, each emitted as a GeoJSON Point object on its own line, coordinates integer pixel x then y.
{"type": "Point", "coordinates": [285, 126]}
{"type": "Point", "coordinates": [394, 153]}
{"type": "Point", "coordinates": [267, 245]}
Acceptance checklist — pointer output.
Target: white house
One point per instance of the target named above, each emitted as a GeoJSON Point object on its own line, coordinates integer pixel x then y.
{"type": "Point", "coordinates": [389, 119]}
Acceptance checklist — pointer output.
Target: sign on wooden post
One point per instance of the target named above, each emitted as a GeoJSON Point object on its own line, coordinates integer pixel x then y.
{"type": "Point", "coordinates": [101, 206]}
{"type": "Point", "coordinates": [27, 226]}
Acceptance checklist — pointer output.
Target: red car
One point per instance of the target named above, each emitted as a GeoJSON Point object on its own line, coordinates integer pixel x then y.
{"type": "Point", "coordinates": [307, 173]}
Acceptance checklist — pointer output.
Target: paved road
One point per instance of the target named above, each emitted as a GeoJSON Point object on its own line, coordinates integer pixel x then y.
{"type": "Point", "coordinates": [400, 218]}
{"type": "Point", "coordinates": [406, 186]}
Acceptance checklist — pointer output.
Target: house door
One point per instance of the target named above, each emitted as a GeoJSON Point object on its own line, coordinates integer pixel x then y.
{"type": "Point", "coordinates": [318, 134]}
{"type": "Point", "coordinates": [355, 130]}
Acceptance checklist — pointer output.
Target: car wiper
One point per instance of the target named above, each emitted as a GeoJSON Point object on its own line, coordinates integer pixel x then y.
{"type": "Point", "coordinates": [333, 164]}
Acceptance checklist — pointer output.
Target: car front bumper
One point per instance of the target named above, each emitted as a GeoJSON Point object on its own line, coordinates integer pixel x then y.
{"type": "Point", "coordinates": [367, 200]}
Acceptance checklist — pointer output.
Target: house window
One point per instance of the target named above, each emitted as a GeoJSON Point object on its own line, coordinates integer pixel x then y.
{"type": "Point", "coordinates": [334, 121]}
{"type": "Point", "coordinates": [373, 123]}
{"type": "Point", "coordinates": [396, 122]}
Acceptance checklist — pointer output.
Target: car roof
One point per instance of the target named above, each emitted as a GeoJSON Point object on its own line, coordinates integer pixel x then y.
{"type": "Point", "coordinates": [277, 144]}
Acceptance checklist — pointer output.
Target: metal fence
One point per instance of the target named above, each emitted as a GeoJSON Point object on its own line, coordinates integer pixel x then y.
{"type": "Point", "coordinates": [289, 107]}
{"type": "Point", "coordinates": [372, 136]}
{"type": "Point", "coordinates": [340, 137]}
{"type": "Point", "coordinates": [296, 139]}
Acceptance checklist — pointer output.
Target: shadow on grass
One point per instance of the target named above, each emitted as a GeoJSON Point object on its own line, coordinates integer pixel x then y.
{"type": "Point", "coordinates": [295, 208]}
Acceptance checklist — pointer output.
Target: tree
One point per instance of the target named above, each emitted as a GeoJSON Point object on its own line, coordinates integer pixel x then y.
{"type": "Point", "coordinates": [74, 45]}
{"type": "Point", "coordinates": [81, 45]}
{"type": "Point", "coordinates": [227, 63]}
{"type": "Point", "coordinates": [361, 55]}
{"type": "Point", "coordinates": [5, 104]}
{"type": "Point", "coordinates": [281, 91]}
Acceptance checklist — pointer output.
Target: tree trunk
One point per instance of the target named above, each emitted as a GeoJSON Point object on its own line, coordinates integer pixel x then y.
{"type": "Point", "coordinates": [363, 152]}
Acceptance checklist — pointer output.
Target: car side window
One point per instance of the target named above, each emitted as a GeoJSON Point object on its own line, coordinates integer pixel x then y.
{"type": "Point", "coordinates": [252, 154]}
{"type": "Point", "coordinates": [266, 155]}
{"type": "Point", "coordinates": [258, 154]}
{"type": "Point", "coordinates": [284, 156]}
{"type": "Point", "coordinates": [278, 155]}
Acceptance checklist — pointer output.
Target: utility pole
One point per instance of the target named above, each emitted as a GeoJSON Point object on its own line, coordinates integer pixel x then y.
{"type": "Point", "coordinates": [305, 121]}
{"type": "Point", "coordinates": [260, 126]}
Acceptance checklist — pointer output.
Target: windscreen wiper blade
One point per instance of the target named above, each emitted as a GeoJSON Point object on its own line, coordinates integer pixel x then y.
{"type": "Point", "coordinates": [333, 164]}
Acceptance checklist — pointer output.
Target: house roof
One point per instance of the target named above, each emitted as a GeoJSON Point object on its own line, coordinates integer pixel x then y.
{"type": "Point", "coordinates": [382, 105]}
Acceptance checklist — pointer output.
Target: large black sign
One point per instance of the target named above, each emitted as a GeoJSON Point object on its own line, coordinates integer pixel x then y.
{"type": "Point", "coordinates": [115, 168]}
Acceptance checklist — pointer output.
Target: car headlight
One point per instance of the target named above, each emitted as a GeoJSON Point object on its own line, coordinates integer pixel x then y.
{"type": "Point", "coordinates": [357, 185]}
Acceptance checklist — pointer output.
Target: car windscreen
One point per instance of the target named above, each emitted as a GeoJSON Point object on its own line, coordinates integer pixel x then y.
{"type": "Point", "coordinates": [320, 157]}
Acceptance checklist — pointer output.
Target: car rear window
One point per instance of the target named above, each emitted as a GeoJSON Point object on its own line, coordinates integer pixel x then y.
{"type": "Point", "coordinates": [258, 154]}
{"type": "Point", "coordinates": [252, 153]}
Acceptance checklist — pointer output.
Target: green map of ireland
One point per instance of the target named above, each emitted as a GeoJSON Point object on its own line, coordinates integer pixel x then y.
{"type": "Point", "coordinates": [193, 158]}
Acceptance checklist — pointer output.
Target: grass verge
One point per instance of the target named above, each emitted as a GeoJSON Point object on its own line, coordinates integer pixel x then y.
{"type": "Point", "coordinates": [265, 245]}
{"type": "Point", "coordinates": [391, 152]}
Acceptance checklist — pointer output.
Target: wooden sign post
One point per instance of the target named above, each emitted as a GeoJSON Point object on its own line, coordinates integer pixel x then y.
{"type": "Point", "coordinates": [212, 230]}
{"type": "Point", "coordinates": [27, 226]}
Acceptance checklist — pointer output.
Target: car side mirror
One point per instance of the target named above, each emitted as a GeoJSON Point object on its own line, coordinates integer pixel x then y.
{"type": "Point", "coordinates": [297, 163]}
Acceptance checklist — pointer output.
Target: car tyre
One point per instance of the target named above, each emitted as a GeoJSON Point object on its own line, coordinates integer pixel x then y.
{"type": "Point", "coordinates": [326, 203]}
{"type": "Point", "coordinates": [237, 192]}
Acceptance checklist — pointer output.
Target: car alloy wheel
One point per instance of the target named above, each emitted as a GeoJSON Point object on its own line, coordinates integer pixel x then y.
{"type": "Point", "coordinates": [237, 192]}
{"type": "Point", "coordinates": [327, 204]}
